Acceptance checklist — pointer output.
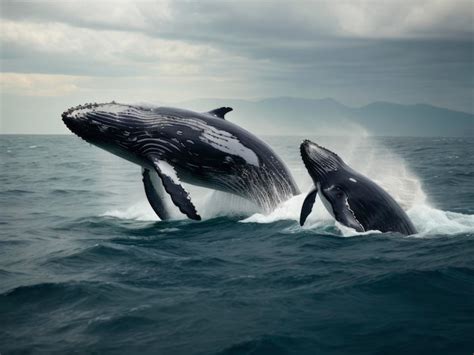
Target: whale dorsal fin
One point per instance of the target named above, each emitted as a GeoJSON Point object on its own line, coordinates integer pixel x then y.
{"type": "Point", "coordinates": [155, 193]}
{"type": "Point", "coordinates": [220, 112]}
{"type": "Point", "coordinates": [308, 205]}
{"type": "Point", "coordinates": [173, 187]}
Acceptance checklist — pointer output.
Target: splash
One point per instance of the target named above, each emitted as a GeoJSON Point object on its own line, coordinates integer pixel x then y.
{"type": "Point", "coordinates": [432, 221]}
{"type": "Point", "coordinates": [428, 221]}
{"type": "Point", "coordinates": [217, 204]}
{"type": "Point", "coordinates": [139, 211]}
{"type": "Point", "coordinates": [209, 203]}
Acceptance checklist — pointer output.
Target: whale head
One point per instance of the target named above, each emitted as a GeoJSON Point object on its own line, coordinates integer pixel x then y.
{"type": "Point", "coordinates": [320, 162]}
{"type": "Point", "coordinates": [96, 121]}
{"type": "Point", "coordinates": [105, 125]}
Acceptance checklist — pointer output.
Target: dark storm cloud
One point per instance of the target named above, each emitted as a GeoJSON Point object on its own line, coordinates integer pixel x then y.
{"type": "Point", "coordinates": [252, 21]}
{"type": "Point", "coordinates": [404, 51]}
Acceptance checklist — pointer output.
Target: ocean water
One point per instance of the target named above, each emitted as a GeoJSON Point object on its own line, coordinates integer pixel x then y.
{"type": "Point", "coordinates": [86, 267]}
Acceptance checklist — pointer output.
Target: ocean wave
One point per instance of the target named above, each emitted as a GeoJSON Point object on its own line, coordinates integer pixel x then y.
{"type": "Point", "coordinates": [17, 192]}
{"type": "Point", "coordinates": [442, 279]}
{"type": "Point", "coordinates": [80, 192]}
{"type": "Point", "coordinates": [50, 293]}
{"type": "Point", "coordinates": [272, 344]}
{"type": "Point", "coordinates": [87, 223]}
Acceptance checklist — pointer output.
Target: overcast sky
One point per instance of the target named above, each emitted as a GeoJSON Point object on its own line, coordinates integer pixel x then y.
{"type": "Point", "coordinates": [58, 54]}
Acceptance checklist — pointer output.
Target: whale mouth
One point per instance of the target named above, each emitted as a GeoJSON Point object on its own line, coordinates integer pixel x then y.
{"type": "Point", "coordinates": [319, 160]}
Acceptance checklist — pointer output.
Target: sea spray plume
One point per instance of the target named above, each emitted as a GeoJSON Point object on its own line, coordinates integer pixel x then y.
{"type": "Point", "coordinates": [353, 199]}
{"type": "Point", "coordinates": [174, 146]}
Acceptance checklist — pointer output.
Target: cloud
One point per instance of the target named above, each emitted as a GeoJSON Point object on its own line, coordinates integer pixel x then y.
{"type": "Point", "coordinates": [105, 46]}
{"type": "Point", "coordinates": [267, 19]}
{"type": "Point", "coordinates": [403, 19]}
{"type": "Point", "coordinates": [356, 51]}
{"type": "Point", "coordinates": [117, 15]}
{"type": "Point", "coordinates": [64, 51]}
{"type": "Point", "coordinates": [39, 84]}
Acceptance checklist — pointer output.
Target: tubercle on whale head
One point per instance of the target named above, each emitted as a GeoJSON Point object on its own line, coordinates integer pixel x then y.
{"type": "Point", "coordinates": [72, 116]}
{"type": "Point", "coordinates": [111, 126]}
{"type": "Point", "coordinates": [93, 121]}
{"type": "Point", "coordinates": [106, 125]}
{"type": "Point", "coordinates": [75, 123]}
{"type": "Point", "coordinates": [318, 160]}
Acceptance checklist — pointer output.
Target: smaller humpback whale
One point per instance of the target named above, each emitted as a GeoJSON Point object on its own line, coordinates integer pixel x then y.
{"type": "Point", "coordinates": [351, 198]}
{"type": "Point", "coordinates": [174, 145]}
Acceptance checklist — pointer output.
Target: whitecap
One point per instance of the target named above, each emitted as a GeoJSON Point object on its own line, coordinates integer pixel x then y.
{"type": "Point", "coordinates": [141, 211]}
{"type": "Point", "coordinates": [431, 221]}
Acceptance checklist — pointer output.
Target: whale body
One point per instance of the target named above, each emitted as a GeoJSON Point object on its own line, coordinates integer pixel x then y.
{"type": "Point", "coordinates": [174, 145]}
{"type": "Point", "coordinates": [351, 198]}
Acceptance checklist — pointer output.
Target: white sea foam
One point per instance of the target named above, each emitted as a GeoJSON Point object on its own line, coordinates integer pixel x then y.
{"type": "Point", "coordinates": [427, 220]}
{"type": "Point", "coordinates": [289, 210]}
{"type": "Point", "coordinates": [209, 204]}
{"type": "Point", "coordinates": [217, 203]}
{"type": "Point", "coordinates": [140, 211]}
{"type": "Point", "coordinates": [432, 221]}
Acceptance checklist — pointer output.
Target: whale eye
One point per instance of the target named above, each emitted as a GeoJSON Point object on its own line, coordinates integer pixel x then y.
{"type": "Point", "coordinates": [339, 192]}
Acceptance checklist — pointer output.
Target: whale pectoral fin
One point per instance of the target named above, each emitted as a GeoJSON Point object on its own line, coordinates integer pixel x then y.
{"type": "Point", "coordinates": [155, 193]}
{"type": "Point", "coordinates": [220, 112]}
{"type": "Point", "coordinates": [172, 185]}
{"type": "Point", "coordinates": [308, 205]}
{"type": "Point", "coordinates": [346, 217]}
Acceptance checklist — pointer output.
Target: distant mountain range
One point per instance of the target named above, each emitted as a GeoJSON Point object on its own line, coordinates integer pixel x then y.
{"type": "Point", "coordinates": [297, 116]}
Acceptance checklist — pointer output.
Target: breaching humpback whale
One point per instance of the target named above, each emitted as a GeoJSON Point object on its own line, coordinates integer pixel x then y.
{"type": "Point", "coordinates": [351, 198]}
{"type": "Point", "coordinates": [173, 145]}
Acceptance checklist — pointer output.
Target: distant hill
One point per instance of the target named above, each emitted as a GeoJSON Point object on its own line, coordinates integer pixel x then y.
{"type": "Point", "coordinates": [296, 116]}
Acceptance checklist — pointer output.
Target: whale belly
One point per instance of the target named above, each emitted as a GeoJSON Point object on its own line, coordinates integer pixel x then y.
{"type": "Point", "coordinates": [325, 202]}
